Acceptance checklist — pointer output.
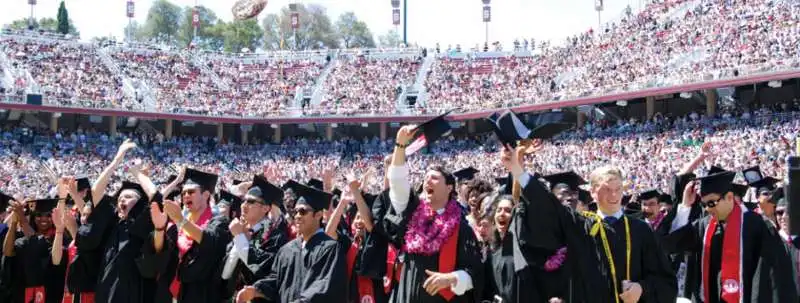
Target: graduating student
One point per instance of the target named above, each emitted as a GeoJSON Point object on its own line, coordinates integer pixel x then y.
{"type": "Point", "coordinates": [441, 255]}
{"type": "Point", "coordinates": [741, 259]}
{"type": "Point", "coordinates": [617, 258]}
{"type": "Point", "coordinates": [310, 267]}
{"type": "Point", "coordinates": [791, 243]}
{"type": "Point", "coordinates": [194, 239]}
{"type": "Point", "coordinates": [256, 237]}
{"type": "Point", "coordinates": [229, 205]}
{"type": "Point", "coordinates": [651, 208]}
{"type": "Point", "coordinates": [36, 278]}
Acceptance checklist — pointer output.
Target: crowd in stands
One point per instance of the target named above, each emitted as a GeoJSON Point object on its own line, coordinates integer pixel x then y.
{"type": "Point", "coordinates": [669, 42]}
{"type": "Point", "coordinates": [742, 138]}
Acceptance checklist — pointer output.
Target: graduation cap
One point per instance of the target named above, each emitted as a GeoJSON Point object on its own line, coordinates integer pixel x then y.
{"type": "Point", "coordinates": [316, 183]}
{"type": "Point", "coordinates": [584, 196]}
{"type": "Point", "coordinates": [648, 194]}
{"type": "Point", "coordinates": [429, 132]}
{"type": "Point", "coordinates": [765, 185]}
{"type": "Point", "coordinates": [44, 206]}
{"type": "Point", "coordinates": [666, 198]}
{"type": "Point", "coordinates": [132, 186]}
{"type": "Point", "coordinates": [465, 174]}
{"type": "Point", "coordinates": [739, 190]}
{"type": "Point", "coordinates": [716, 169]}
{"type": "Point", "coordinates": [233, 202]}
{"type": "Point", "coordinates": [4, 201]}
{"type": "Point", "coordinates": [206, 181]}
{"type": "Point", "coordinates": [719, 183]}
{"type": "Point", "coordinates": [509, 128]}
{"type": "Point", "coordinates": [289, 185]}
{"type": "Point", "coordinates": [568, 179]}
{"type": "Point", "coordinates": [317, 199]}
{"type": "Point", "coordinates": [266, 191]}
{"type": "Point", "coordinates": [83, 183]}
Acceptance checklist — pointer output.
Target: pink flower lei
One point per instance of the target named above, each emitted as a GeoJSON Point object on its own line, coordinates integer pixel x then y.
{"type": "Point", "coordinates": [427, 230]}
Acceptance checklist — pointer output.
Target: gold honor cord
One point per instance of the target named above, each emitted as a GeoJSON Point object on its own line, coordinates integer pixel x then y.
{"type": "Point", "coordinates": [598, 227]}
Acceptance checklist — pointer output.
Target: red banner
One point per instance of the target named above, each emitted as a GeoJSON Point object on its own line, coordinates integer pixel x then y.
{"type": "Point", "coordinates": [130, 9]}
{"type": "Point", "coordinates": [195, 17]}
{"type": "Point", "coordinates": [396, 16]}
{"type": "Point", "coordinates": [487, 14]}
{"type": "Point", "coordinates": [295, 20]}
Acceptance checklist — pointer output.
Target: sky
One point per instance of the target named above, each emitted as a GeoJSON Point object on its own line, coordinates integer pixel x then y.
{"type": "Point", "coordinates": [448, 22]}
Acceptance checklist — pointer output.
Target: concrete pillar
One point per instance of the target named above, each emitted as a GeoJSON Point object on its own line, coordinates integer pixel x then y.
{"type": "Point", "coordinates": [383, 126]}
{"type": "Point", "coordinates": [711, 102]}
{"type": "Point", "coordinates": [650, 104]}
{"type": "Point", "coordinates": [112, 127]}
{"type": "Point", "coordinates": [276, 136]}
{"type": "Point", "coordinates": [329, 132]}
{"type": "Point", "coordinates": [168, 128]}
{"type": "Point", "coordinates": [471, 127]}
{"type": "Point", "coordinates": [581, 120]}
{"type": "Point", "coordinates": [245, 136]}
{"type": "Point", "coordinates": [54, 122]}
{"type": "Point", "coordinates": [220, 132]}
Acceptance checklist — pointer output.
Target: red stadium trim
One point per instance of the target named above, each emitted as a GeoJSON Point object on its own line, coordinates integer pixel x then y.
{"type": "Point", "coordinates": [764, 77]}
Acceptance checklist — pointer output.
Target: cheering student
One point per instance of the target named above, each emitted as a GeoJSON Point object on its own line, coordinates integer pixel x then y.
{"type": "Point", "coordinates": [82, 269]}
{"type": "Point", "coordinates": [742, 260]}
{"type": "Point", "coordinates": [256, 237]}
{"type": "Point", "coordinates": [441, 256]}
{"type": "Point", "coordinates": [195, 240]}
{"type": "Point", "coordinates": [502, 282]}
{"type": "Point", "coordinates": [310, 267]}
{"type": "Point", "coordinates": [617, 258]}
{"type": "Point", "coordinates": [651, 208]}
{"type": "Point", "coordinates": [791, 243]}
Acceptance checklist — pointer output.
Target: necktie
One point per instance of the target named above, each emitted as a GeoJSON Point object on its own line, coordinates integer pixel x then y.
{"type": "Point", "coordinates": [610, 220]}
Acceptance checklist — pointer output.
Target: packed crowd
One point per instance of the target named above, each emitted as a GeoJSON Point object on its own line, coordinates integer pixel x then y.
{"type": "Point", "coordinates": [362, 85]}
{"type": "Point", "coordinates": [645, 150]}
{"type": "Point", "coordinates": [68, 72]}
{"type": "Point", "coordinates": [670, 42]}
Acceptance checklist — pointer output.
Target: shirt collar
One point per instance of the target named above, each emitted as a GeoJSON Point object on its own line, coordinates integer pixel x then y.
{"type": "Point", "coordinates": [303, 243]}
{"type": "Point", "coordinates": [617, 215]}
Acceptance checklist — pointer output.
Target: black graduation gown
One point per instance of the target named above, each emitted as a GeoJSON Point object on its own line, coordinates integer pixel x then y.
{"type": "Point", "coordinates": [264, 246]}
{"type": "Point", "coordinates": [32, 266]}
{"type": "Point", "coordinates": [5, 273]}
{"type": "Point", "coordinates": [313, 274]}
{"type": "Point", "coordinates": [200, 269]}
{"type": "Point", "coordinates": [84, 269]}
{"type": "Point", "coordinates": [503, 281]}
{"type": "Point", "coordinates": [120, 276]}
{"type": "Point", "coordinates": [793, 249]}
{"type": "Point", "coordinates": [585, 254]}
{"type": "Point", "coordinates": [767, 269]}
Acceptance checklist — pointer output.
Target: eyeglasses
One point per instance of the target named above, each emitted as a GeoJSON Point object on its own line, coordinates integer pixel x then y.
{"type": "Point", "coordinates": [302, 211]}
{"type": "Point", "coordinates": [780, 212]}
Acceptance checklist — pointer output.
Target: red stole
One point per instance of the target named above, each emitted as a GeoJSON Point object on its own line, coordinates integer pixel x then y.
{"type": "Point", "coordinates": [84, 298]}
{"type": "Point", "coordinates": [184, 245]}
{"type": "Point", "coordinates": [731, 269]}
{"type": "Point", "coordinates": [447, 261]}
{"type": "Point", "coordinates": [365, 291]}
{"type": "Point", "coordinates": [391, 275]}
{"type": "Point", "coordinates": [34, 294]}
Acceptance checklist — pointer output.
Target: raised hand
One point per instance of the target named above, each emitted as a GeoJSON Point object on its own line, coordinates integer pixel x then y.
{"type": "Point", "coordinates": [247, 294]}
{"type": "Point", "coordinates": [58, 217]}
{"type": "Point", "coordinates": [173, 210]}
{"type": "Point", "coordinates": [62, 187]}
{"type": "Point", "coordinates": [707, 150]}
{"type": "Point", "coordinates": [405, 134]}
{"type": "Point", "coordinates": [158, 217]}
{"type": "Point", "coordinates": [689, 194]}
{"type": "Point", "coordinates": [236, 227]}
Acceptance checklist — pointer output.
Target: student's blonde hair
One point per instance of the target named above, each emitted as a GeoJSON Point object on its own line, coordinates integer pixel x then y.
{"type": "Point", "coordinates": [604, 174]}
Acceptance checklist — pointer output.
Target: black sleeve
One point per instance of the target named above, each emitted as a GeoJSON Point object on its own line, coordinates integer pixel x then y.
{"type": "Point", "coordinates": [209, 252]}
{"type": "Point", "coordinates": [684, 239]}
{"type": "Point", "coordinates": [330, 283]}
{"type": "Point", "coordinates": [469, 259]}
{"type": "Point", "coordinates": [153, 264]}
{"type": "Point", "coordinates": [774, 279]}
{"type": "Point", "coordinates": [374, 251]}
{"type": "Point", "coordinates": [91, 235]}
{"type": "Point", "coordinates": [269, 286]}
{"type": "Point", "coordinates": [260, 258]}
{"type": "Point", "coordinates": [659, 284]}
{"type": "Point", "coordinates": [394, 224]}
{"type": "Point", "coordinates": [539, 211]}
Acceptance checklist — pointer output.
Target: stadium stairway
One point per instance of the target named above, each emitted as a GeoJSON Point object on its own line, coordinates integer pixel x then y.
{"type": "Point", "coordinates": [319, 88]}
{"type": "Point", "coordinates": [7, 78]}
{"type": "Point", "coordinates": [199, 62]}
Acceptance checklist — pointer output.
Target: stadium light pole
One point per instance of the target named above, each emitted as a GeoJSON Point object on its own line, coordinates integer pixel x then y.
{"type": "Point", "coordinates": [487, 17]}
{"type": "Point", "coordinates": [31, 21]}
{"type": "Point", "coordinates": [598, 6]}
{"type": "Point", "coordinates": [405, 22]}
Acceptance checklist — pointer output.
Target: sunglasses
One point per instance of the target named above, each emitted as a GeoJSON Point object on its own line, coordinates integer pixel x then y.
{"type": "Point", "coordinates": [780, 212]}
{"type": "Point", "coordinates": [710, 204]}
{"type": "Point", "coordinates": [302, 211]}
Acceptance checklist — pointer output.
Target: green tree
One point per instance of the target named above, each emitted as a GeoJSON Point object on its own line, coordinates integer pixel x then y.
{"type": "Point", "coordinates": [390, 39]}
{"type": "Point", "coordinates": [205, 35]}
{"type": "Point", "coordinates": [242, 34]}
{"type": "Point", "coordinates": [63, 19]}
{"type": "Point", "coordinates": [46, 24]}
{"type": "Point", "coordinates": [134, 31]}
{"type": "Point", "coordinates": [163, 20]}
{"type": "Point", "coordinates": [353, 33]}
{"type": "Point", "coordinates": [315, 30]}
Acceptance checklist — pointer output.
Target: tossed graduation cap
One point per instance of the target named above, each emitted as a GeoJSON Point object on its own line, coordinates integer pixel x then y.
{"type": "Point", "coordinates": [465, 174]}
{"type": "Point", "coordinates": [206, 181]}
{"type": "Point", "coordinates": [509, 128]}
{"type": "Point", "coordinates": [752, 175]}
{"type": "Point", "coordinates": [648, 194]}
{"type": "Point", "coordinates": [765, 185]}
{"type": "Point", "coordinates": [43, 206]}
{"type": "Point", "coordinates": [316, 183]}
{"type": "Point", "coordinates": [266, 191]}
{"type": "Point", "coordinates": [567, 179]}
{"type": "Point", "coordinates": [83, 183]}
{"type": "Point", "coordinates": [429, 132]}
{"type": "Point", "coordinates": [719, 183]}
{"type": "Point", "coordinates": [317, 199]}
{"type": "Point", "coordinates": [739, 190]}
{"type": "Point", "coordinates": [716, 169]}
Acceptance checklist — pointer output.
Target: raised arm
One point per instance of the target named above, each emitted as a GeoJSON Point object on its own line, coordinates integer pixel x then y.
{"type": "Point", "coordinates": [11, 235]}
{"type": "Point", "coordinates": [99, 186]}
{"type": "Point", "coordinates": [399, 186]}
{"type": "Point", "coordinates": [705, 153]}
{"type": "Point", "coordinates": [333, 222]}
{"type": "Point", "coordinates": [57, 250]}
{"type": "Point", "coordinates": [363, 209]}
